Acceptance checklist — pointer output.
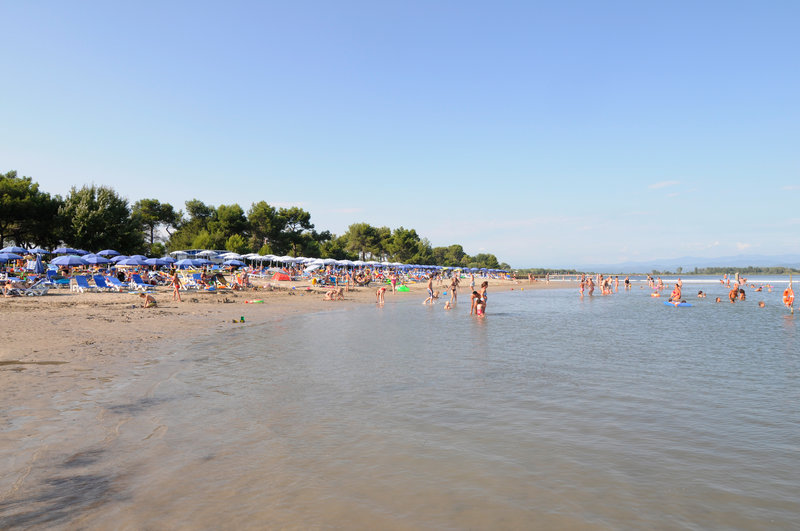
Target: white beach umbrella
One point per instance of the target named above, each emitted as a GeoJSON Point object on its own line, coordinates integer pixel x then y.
{"type": "Point", "coordinates": [206, 253]}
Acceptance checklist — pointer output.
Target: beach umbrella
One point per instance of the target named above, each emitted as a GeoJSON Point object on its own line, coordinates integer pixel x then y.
{"type": "Point", "coordinates": [108, 252]}
{"type": "Point", "coordinates": [65, 250]}
{"type": "Point", "coordinates": [13, 249]}
{"type": "Point", "coordinates": [139, 256]}
{"type": "Point", "coordinates": [38, 250]}
{"type": "Point", "coordinates": [38, 267]}
{"type": "Point", "coordinates": [237, 263]}
{"type": "Point", "coordinates": [168, 259]}
{"type": "Point", "coordinates": [118, 258]}
{"type": "Point", "coordinates": [68, 260]}
{"type": "Point", "coordinates": [81, 252]}
{"type": "Point", "coordinates": [186, 263]}
{"type": "Point", "coordinates": [5, 257]}
{"type": "Point", "coordinates": [231, 256]}
{"type": "Point", "coordinates": [94, 259]}
{"type": "Point", "coordinates": [156, 262]}
{"type": "Point", "coordinates": [206, 253]}
{"type": "Point", "coordinates": [132, 261]}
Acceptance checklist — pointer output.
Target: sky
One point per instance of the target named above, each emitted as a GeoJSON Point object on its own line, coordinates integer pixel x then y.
{"type": "Point", "coordinates": [551, 134]}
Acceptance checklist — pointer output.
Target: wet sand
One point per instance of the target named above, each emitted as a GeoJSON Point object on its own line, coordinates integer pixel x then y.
{"type": "Point", "coordinates": [63, 347]}
{"type": "Point", "coordinates": [65, 326]}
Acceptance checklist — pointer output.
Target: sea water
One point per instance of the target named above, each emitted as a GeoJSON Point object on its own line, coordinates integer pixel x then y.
{"type": "Point", "coordinates": [552, 411]}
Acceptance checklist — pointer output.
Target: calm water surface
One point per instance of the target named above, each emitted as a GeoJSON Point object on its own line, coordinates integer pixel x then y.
{"type": "Point", "coordinates": [552, 412]}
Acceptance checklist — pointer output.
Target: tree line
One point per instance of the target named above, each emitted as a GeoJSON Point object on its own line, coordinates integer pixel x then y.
{"type": "Point", "coordinates": [96, 217]}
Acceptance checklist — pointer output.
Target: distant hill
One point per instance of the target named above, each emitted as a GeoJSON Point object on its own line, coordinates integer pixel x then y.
{"type": "Point", "coordinates": [688, 263]}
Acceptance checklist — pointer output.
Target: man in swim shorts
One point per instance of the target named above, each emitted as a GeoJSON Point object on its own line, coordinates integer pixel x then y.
{"type": "Point", "coordinates": [430, 291]}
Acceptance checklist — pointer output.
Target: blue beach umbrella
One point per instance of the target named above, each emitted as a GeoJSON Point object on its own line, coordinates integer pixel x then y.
{"type": "Point", "coordinates": [13, 249]}
{"type": "Point", "coordinates": [156, 262]}
{"type": "Point", "coordinates": [65, 250]}
{"type": "Point", "coordinates": [186, 263]}
{"type": "Point", "coordinates": [69, 260]}
{"type": "Point", "coordinates": [81, 252]}
{"type": "Point", "coordinates": [38, 250]}
{"type": "Point", "coordinates": [95, 259]}
{"type": "Point", "coordinates": [108, 252]}
{"type": "Point", "coordinates": [132, 261]}
{"type": "Point", "coordinates": [169, 259]}
{"type": "Point", "coordinates": [118, 258]}
{"type": "Point", "coordinates": [38, 267]}
{"type": "Point", "coordinates": [139, 256]}
{"type": "Point", "coordinates": [5, 257]}
{"type": "Point", "coordinates": [238, 263]}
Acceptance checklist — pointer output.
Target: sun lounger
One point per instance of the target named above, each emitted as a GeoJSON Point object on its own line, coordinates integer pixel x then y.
{"type": "Point", "coordinates": [82, 284]}
{"type": "Point", "coordinates": [37, 289]}
{"type": "Point", "coordinates": [100, 282]}
{"type": "Point", "coordinates": [116, 284]}
{"type": "Point", "coordinates": [52, 280]}
{"type": "Point", "coordinates": [136, 282]}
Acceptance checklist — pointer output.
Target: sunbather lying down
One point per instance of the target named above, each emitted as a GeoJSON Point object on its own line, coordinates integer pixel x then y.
{"type": "Point", "coordinates": [335, 294]}
{"type": "Point", "coordinates": [149, 300]}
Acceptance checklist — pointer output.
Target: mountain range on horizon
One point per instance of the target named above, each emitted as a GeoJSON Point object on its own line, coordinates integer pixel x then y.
{"type": "Point", "coordinates": [688, 263]}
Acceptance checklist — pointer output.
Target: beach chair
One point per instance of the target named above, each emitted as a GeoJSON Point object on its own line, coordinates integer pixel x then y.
{"type": "Point", "coordinates": [100, 282]}
{"type": "Point", "coordinates": [82, 284]}
{"type": "Point", "coordinates": [136, 282]}
{"type": "Point", "coordinates": [38, 289]}
{"type": "Point", "coordinates": [116, 283]}
{"type": "Point", "coordinates": [188, 283]}
{"type": "Point", "coordinates": [53, 280]}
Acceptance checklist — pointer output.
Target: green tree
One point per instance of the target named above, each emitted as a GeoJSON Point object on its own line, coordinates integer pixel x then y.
{"type": "Point", "coordinates": [237, 244]}
{"type": "Point", "coordinates": [361, 239]}
{"type": "Point", "coordinates": [199, 215]}
{"type": "Point", "coordinates": [454, 256]}
{"type": "Point", "coordinates": [266, 227]}
{"type": "Point", "coordinates": [228, 220]}
{"type": "Point", "coordinates": [151, 213]}
{"type": "Point", "coordinates": [336, 248]}
{"type": "Point", "coordinates": [27, 215]}
{"type": "Point", "coordinates": [97, 218]}
{"type": "Point", "coordinates": [404, 244]}
{"type": "Point", "coordinates": [297, 223]}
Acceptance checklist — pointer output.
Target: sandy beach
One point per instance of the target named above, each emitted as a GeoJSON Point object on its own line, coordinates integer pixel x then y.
{"type": "Point", "coordinates": [65, 326]}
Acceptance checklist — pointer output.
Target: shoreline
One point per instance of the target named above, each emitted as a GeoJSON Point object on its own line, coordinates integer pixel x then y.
{"type": "Point", "coordinates": [64, 326]}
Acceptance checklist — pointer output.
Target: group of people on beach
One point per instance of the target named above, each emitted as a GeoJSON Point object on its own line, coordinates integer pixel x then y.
{"type": "Point", "coordinates": [477, 299]}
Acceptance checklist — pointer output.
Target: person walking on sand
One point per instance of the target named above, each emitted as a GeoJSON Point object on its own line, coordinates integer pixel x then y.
{"type": "Point", "coordinates": [454, 289]}
{"type": "Point", "coordinates": [176, 286]}
{"type": "Point", "coordinates": [430, 291]}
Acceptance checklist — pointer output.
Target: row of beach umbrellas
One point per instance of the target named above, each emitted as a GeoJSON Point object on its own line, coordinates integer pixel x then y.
{"type": "Point", "coordinates": [199, 258]}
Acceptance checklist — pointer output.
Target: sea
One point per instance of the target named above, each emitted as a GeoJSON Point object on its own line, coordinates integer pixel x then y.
{"type": "Point", "coordinates": [550, 412]}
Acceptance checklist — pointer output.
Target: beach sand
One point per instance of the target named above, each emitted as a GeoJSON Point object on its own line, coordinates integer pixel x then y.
{"type": "Point", "coordinates": [65, 326]}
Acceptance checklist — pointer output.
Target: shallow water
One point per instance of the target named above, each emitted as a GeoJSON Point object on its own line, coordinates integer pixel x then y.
{"type": "Point", "coordinates": [551, 412]}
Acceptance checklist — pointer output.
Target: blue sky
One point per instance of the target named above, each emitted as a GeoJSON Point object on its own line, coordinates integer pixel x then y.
{"type": "Point", "coordinates": [550, 134]}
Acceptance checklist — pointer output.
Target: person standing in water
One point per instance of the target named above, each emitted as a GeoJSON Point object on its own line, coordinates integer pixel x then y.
{"type": "Point", "coordinates": [430, 291]}
{"type": "Point", "coordinates": [483, 294]}
{"type": "Point", "coordinates": [454, 288]}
